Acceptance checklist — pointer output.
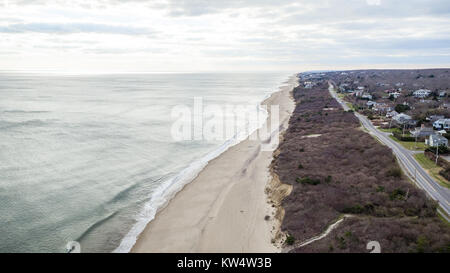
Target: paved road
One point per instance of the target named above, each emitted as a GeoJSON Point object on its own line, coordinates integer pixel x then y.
{"type": "Point", "coordinates": [408, 162]}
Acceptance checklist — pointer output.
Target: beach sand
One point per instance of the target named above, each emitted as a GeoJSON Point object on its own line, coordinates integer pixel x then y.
{"type": "Point", "coordinates": [224, 208]}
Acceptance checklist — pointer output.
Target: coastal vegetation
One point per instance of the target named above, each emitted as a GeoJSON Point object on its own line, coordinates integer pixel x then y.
{"type": "Point", "coordinates": [346, 171]}
{"type": "Point", "coordinates": [290, 240]}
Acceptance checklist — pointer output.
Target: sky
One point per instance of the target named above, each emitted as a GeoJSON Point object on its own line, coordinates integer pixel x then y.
{"type": "Point", "coordinates": [222, 35]}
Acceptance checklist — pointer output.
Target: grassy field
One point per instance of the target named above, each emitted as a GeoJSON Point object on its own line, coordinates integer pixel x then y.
{"type": "Point", "coordinates": [349, 104]}
{"type": "Point", "coordinates": [419, 146]}
{"type": "Point", "coordinates": [352, 106]}
{"type": "Point", "coordinates": [392, 130]}
{"type": "Point", "coordinates": [432, 169]}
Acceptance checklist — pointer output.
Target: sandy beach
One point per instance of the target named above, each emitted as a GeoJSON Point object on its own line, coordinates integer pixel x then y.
{"type": "Point", "coordinates": [225, 208]}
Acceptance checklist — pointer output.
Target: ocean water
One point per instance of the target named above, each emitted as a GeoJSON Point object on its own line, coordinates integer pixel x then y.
{"type": "Point", "coordinates": [90, 158]}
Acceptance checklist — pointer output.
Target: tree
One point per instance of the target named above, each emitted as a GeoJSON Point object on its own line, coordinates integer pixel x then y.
{"type": "Point", "coordinates": [400, 108]}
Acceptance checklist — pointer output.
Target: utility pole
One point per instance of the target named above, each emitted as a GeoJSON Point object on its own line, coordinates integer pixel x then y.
{"type": "Point", "coordinates": [403, 133]}
{"type": "Point", "coordinates": [437, 152]}
{"type": "Point", "coordinates": [415, 143]}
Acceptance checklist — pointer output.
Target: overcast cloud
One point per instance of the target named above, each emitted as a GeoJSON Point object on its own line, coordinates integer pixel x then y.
{"type": "Point", "coordinates": [222, 35]}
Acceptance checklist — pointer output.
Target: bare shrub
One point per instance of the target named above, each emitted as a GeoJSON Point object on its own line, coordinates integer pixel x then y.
{"type": "Point", "coordinates": [345, 170]}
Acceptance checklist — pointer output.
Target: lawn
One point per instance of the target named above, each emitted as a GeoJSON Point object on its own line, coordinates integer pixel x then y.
{"type": "Point", "coordinates": [392, 130]}
{"type": "Point", "coordinates": [432, 169]}
{"type": "Point", "coordinates": [411, 145]}
{"type": "Point", "coordinates": [352, 106]}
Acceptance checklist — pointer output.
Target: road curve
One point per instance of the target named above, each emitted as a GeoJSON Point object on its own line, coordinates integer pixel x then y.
{"type": "Point", "coordinates": [407, 161]}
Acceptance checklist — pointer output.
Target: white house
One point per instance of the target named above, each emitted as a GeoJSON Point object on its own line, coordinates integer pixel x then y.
{"type": "Point", "coordinates": [343, 87]}
{"type": "Point", "coordinates": [402, 118]}
{"type": "Point", "coordinates": [371, 103]}
{"type": "Point", "coordinates": [422, 93]}
{"type": "Point", "coordinates": [395, 95]}
{"type": "Point", "coordinates": [436, 140]}
{"type": "Point", "coordinates": [442, 124]}
{"type": "Point", "coordinates": [391, 114]}
{"type": "Point", "coordinates": [366, 96]}
{"type": "Point", "coordinates": [382, 107]}
{"type": "Point", "coordinates": [309, 84]}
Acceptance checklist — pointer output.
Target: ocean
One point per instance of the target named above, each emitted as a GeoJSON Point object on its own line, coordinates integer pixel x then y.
{"type": "Point", "coordinates": [91, 158]}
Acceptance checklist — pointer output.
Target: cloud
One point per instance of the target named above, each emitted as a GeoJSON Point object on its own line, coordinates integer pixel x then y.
{"type": "Point", "coordinates": [225, 34]}
{"type": "Point", "coordinates": [317, 9]}
{"type": "Point", "coordinates": [68, 28]}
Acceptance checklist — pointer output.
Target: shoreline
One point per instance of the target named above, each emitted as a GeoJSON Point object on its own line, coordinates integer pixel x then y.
{"type": "Point", "coordinates": [224, 208]}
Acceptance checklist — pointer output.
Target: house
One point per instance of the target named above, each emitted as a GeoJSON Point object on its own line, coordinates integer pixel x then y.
{"type": "Point", "coordinates": [433, 118]}
{"type": "Point", "coordinates": [436, 140]}
{"type": "Point", "coordinates": [366, 96]}
{"type": "Point", "coordinates": [402, 118]}
{"type": "Point", "coordinates": [371, 103]}
{"type": "Point", "coordinates": [382, 107]}
{"type": "Point", "coordinates": [422, 132]}
{"type": "Point", "coordinates": [308, 84]}
{"type": "Point", "coordinates": [345, 87]}
{"type": "Point", "coordinates": [444, 106]}
{"type": "Point", "coordinates": [442, 132]}
{"type": "Point", "coordinates": [411, 123]}
{"type": "Point", "coordinates": [442, 124]}
{"type": "Point", "coordinates": [391, 114]}
{"type": "Point", "coordinates": [422, 93]}
{"type": "Point", "coordinates": [395, 94]}
{"type": "Point", "coordinates": [442, 94]}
